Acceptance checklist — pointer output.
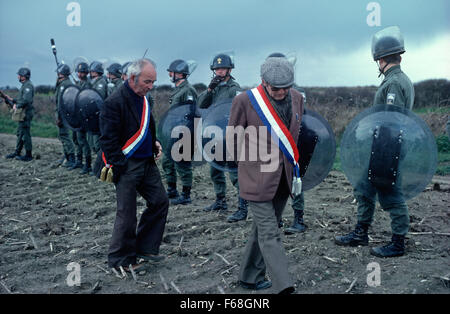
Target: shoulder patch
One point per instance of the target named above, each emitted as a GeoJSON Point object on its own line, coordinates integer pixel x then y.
{"type": "Point", "coordinates": [100, 85]}
{"type": "Point", "coordinates": [390, 99]}
{"type": "Point", "coordinates": [190, 97]}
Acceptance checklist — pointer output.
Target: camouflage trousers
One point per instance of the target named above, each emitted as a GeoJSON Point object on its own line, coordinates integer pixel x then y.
{"type": "Point", "coordinates": [171, 168]}
{"type": "Point", "coordinates": [82, 147]}
{"type": "Point", "coordinates": [218, 179]}
{"type": "Point", "coordinates": [298, 203]}
{"type": "Point", "coordinates": [66, 140]}
{"type": "Point", "coordinates": [391, 200]}
{"type": "Point", "coordinates": [24, 135]}
{"type": "Point", "coordinates": [94, 141]}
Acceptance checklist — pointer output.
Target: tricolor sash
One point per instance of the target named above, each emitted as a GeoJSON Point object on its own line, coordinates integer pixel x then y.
{"type": "Point", "coordinates": [279, 131]}
{"type": "Point", "coordinates": [138, 138]}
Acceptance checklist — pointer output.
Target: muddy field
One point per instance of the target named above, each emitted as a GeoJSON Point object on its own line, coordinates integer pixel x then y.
{"type": "Point", "coordinates": [51, 217]}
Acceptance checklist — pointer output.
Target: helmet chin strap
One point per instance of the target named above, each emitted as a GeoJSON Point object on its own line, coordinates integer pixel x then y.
{"type": "Point", "coordinates": [382, 70]}
{"type": "Point", "coordinates": [175, 80]}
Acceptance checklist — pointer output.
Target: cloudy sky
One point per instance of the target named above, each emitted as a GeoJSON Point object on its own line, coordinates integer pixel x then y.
{"type": "Point", "coordinates": [331, 39]}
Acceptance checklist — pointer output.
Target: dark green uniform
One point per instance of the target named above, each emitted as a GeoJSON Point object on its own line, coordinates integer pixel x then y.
{"type": "Point", "coordinates": [83, 148]}
{"type": "Point", "coordinates": [225, 90]}
{"type": "Point", "coordinates": [182, 94]}
{"type": "Point", "coordinates": [101, 86]}
{"type": "Point", "coordinates": [25, 101]}
{"type": "Point", "coordinates": [63, 131]}
{"type": "Point", "coordinates": [114, 85]}
{"type": "Point", "coordinates": [396, 89]}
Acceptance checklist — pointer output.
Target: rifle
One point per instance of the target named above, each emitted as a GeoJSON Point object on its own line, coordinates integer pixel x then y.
{"type": "Point", "coordinates": [52, 42]}
{"type": "Point", "coordinates": [7, 101]}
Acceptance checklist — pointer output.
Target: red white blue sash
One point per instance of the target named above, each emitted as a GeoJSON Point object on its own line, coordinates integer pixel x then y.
{"type": "Point", "coordinates": [278, 129]}
{"type": "Point", "coordinates": [138, 138]}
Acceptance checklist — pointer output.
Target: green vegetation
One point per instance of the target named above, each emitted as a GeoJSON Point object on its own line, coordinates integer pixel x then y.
{"type": "Point", "coordinates": [39, 128]}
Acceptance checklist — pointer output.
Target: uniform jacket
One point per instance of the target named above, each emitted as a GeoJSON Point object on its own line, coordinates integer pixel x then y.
{"type": "Point", "coordinates": [182, 94]}
{"type": "Point", "coordinates": [101, 86]}
{"type": "Point", "coordinates": [119, 121]}
{"type": "Point", "coordinates": [396, 89]}
{"type": "Point", "coordinates": [255, 185]}
{"type": "Point", "coordinates": [25, 98]}
{"type": "Point", "coordinates": [225, 90]}
{"type": "Point", "coordinates": [84, 84]}
{"type": "Point", "coordinates": [60, 87]}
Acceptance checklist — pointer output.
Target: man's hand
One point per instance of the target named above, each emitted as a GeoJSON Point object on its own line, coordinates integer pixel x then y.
{"type": "Point", "coordinates": [159, 153]}
{"type": "Point", "coordinates": [214, 82]}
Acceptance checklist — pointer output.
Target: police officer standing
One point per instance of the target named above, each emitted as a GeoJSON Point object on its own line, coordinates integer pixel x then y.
{"type": "Point", "coordinates": [222, 86]}
{"type": "Point", "coordinates": [114, 77]}
{"type": "Point", "coordinates": [84, 83]}
{"type": "Point", "coordinates": [183, 93]}
{"type": "Point", "coordinates": [25, 103]}
{"type": "Point", "coordinates": [396, 89]}
{"type": "Point", "coordinates": [98, 83]}
{"type": "Point", "coordinates": [64, 81]}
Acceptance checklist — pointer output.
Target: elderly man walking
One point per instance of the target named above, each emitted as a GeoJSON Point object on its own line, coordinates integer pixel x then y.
{"type": "Point", "coordinates": [275, 106]}
{"type": "Point", "coordinates": [128, 141]}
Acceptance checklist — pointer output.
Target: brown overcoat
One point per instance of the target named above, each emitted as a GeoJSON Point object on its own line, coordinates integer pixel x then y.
{"type": "Point", "coordinates": [254, 184]}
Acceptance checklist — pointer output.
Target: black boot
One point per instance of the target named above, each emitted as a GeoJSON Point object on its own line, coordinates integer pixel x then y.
{"type": "Point", "coordinates": [26, 157]}
{"type": "Point", "coordinates": [357, 237]}
{"type": "Point", "coordinates": [13, 155]}
{"type": "Point", "coordinates": [395, 248]}
{"type": "Point", "coordinates": [17, 152]}
{"type": "Point", "coordinates": [78, 164]}
{"type": "Point", "coordinates": [241, 213]}
{"type": "Point", "coordinates": [172, 190]}
{"type": "Point", "coordinates": [298, 225]}
{"type": "Point", "coordinates": [70, 161]}
{"type": "Point", "coordinates": [87, 169]}
{"type": "Point", "coordinates": [185, 197]}
{"type": "Point", "coordinates": [219, 204]}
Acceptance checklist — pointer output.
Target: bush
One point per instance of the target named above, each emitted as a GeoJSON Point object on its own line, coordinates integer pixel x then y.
{"type": "Point", "coordinates": [443, 144]}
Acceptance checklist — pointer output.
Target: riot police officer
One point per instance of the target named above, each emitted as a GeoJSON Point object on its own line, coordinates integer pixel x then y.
{"type": "Point", "coordinates": [222, 86]}
{"type": "Point", "coordinates": [183, 93]}
{"type": "Point", "coordinates": [63, 81]}
{"type": "Point", "coordinates": [114, 77]}
{"type": "Point", "coordinates": [24, 102]}
{"type": "Point", "coordinates": [396, 89]}
{"type": "Point", "coordinates": [98, 83]}
{"type": "Point", "coordinates": [85, 149]}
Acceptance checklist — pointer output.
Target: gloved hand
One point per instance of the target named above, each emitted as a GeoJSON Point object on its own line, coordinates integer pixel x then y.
{"type": "Point", "coordinates": [215, 81]}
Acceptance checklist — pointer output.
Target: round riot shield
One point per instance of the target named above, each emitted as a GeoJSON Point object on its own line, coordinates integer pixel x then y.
{"type": "Point", "coordinates": [176, 134]}
{"type": "Point", "coordinates": [317, 147]}
{"type": "Point", "coordinates": [388, 148]}
{"type": "Point", "coordinates": [213, 136]}
{"type": "Point", "coordinates": [89, 102]}
{"type": "Point", "coordinates": [68, 110]}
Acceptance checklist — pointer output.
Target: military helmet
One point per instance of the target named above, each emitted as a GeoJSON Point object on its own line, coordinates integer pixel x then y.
{"type": "Point", "coordinates": [276, 55]}
{"type": "Point", "coordinates": [115, 69]}
{"type": "Point", "coordinates": [387, 42]}
{"type": "Point", "coordinates": [96, 67]}
{"type": "Point", "coordinates": [63, 69]}
{"type": "Point", "coordinates": [179, 66]}
{"type": "Point", "coordinates": [24, 72]}
{"type": "Point", "coordinates": [222, 61]}
{"type": "Point", "coordinates": [83, 67]}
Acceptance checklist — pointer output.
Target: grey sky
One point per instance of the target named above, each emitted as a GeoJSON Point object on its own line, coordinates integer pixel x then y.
{"type": "Point", "coordinates": [331, 39]}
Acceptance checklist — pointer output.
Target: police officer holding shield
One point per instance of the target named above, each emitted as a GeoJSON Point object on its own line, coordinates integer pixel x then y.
{"type": "Point", "coordinates": [183, 93]}
{"type": "Point", "coordinates": [24, 102]}
{"type": "Point", "coordinates": [396, 89]}
{"type": "Point", "coordinates": [64, 135]}
{"type": "Point", "coordinates": [98, 83]}
{"type": "Point", "coordinates": [84, 83]}
{"type": "Point", "coordinates": [114, 77]}
{"type": "Point", "coordinates": [222, 86]}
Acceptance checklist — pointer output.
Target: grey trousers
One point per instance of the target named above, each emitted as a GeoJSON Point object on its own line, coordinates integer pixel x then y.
{"type": "Point", "coordinates": [264, 249]}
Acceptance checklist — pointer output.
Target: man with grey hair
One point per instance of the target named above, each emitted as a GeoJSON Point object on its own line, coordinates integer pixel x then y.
{"type": "Point", "coordinates": [273, 105]}
{"type": "Point", "coordinates": [130, 150]}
